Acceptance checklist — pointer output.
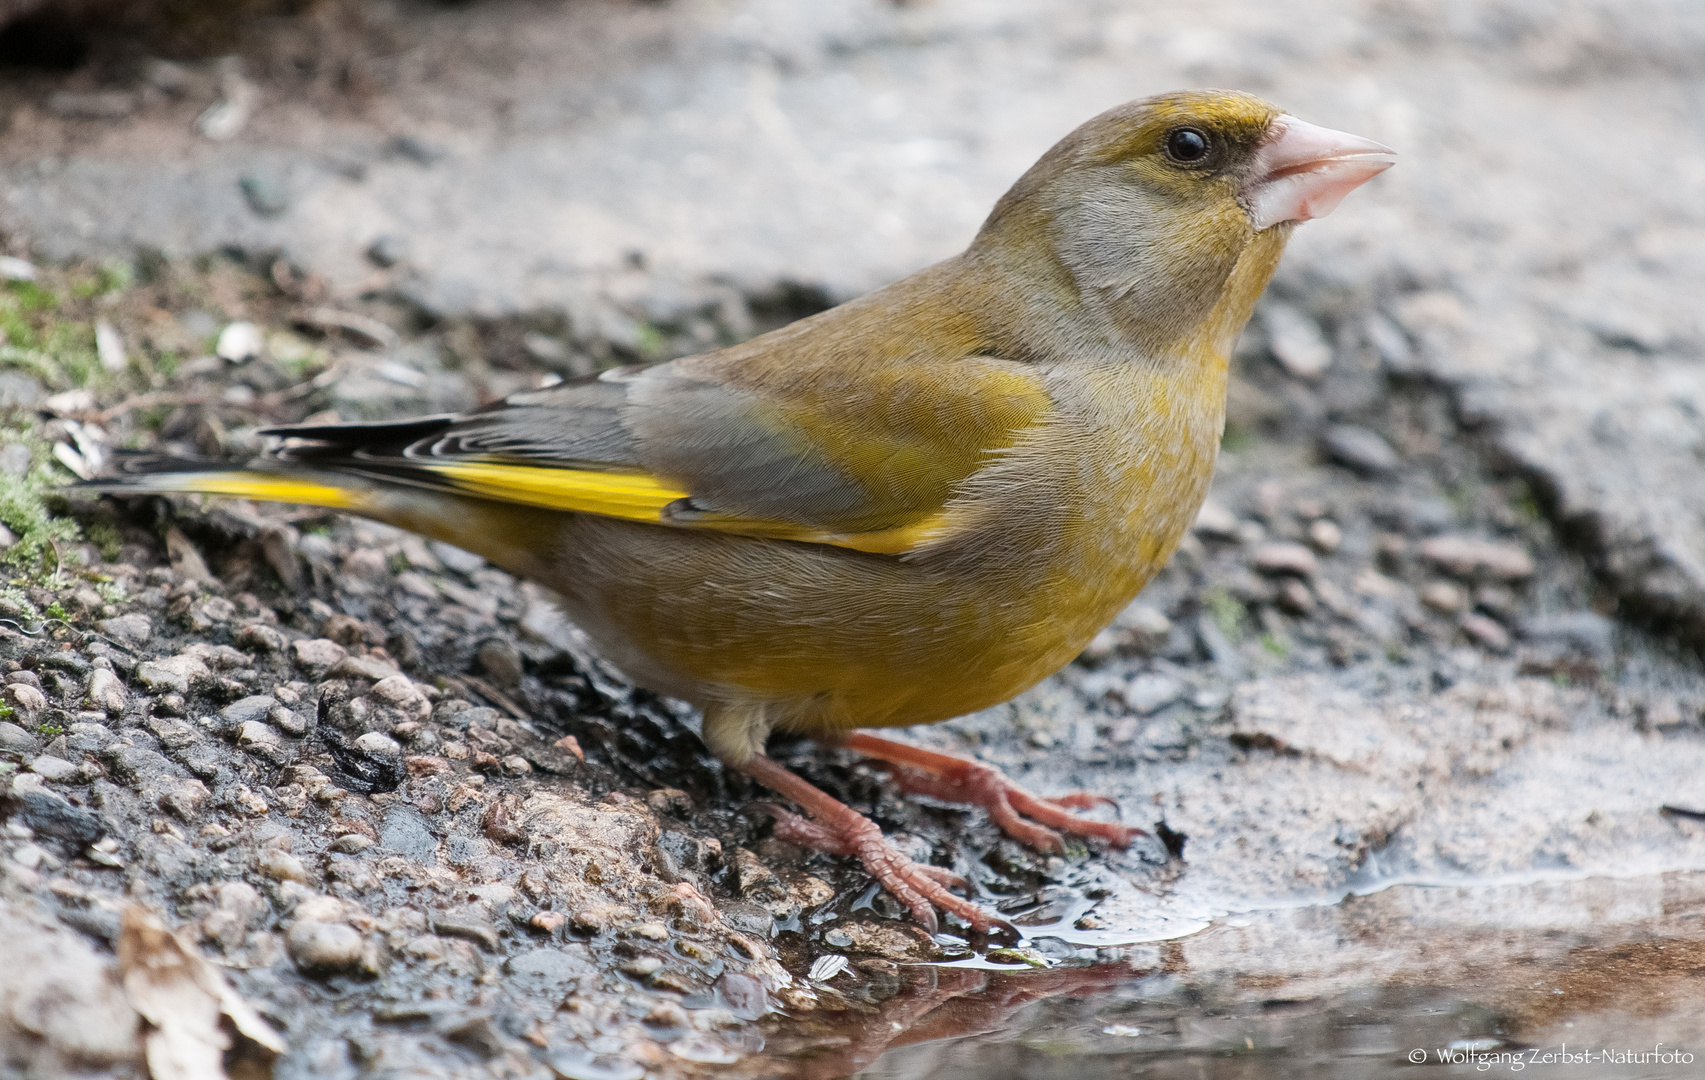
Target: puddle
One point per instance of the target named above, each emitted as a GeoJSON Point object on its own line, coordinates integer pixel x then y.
{"type": "Point", "coordinates": [1569, 977]}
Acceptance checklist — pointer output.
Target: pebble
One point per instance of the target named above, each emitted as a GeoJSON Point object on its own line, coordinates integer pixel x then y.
{"type": "Point", "coordinates": [362, 667]}
{"type": "Point", "coordinates": [1586, 632]}
{"type": "Point", "coordinates": [1359, 449]}
{"type": "Point", "coordinates": [53, 768]}
{"type": "Point", "coordinates": [1467, 556]}
{"type": "Point", "coordinates": [1296, 597]}
{"type": "Point", "coordinates": [379, 745]}
{"type": "Point", "coordinates": [247, 709]}
{"type": "Point", "coordinates": [352, 844]}
{"type": "Point", "coordinates": [25, 698]}
{"type": "Point", "coordinates": [133, 630]}
{"type": "Point", "coordinates": [500, 661]}
{"type": "Point", "coordinates": [468, 927]}
{"type": "Point", "coordinates": [254, 735]}
{"type": "Point", "coordinates": [463, 562]}
{"type": "Point", "coordinates": [1444, 597]}
{"type": "Point", "coordinates": [280, 865]}
{"type": "Point", "coordinates": [15, 738]}
{"type": "Point", "coordinates": [1295, 340]}
{"type": "Point", "coordinates": [1325, 536]}
{"type": "Point", "coordinates": [1487, 632]}
{"type": "Point", "coordinates": [1216, 522]}
{"type": "Point", "coordinates": [325, 948]}
{"type": "Point", "coordinates": [107, 692]}
{"type": "Point", "coordinates": [1148, 692]}
{"type": "Point", "coordinates": [1285, 558]}
{"type": "Point", "coordinates": [174, 674]}
{"type": "Point", "coordinates": [318, 655]}
{"type": "Point", "coordinates": [258, 637]}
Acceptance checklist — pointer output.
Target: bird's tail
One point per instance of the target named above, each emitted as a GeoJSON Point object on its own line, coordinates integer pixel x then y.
{"type": "Point", "coordinates": [145, 474]}
{"type": "Point", "coordinates": [508, 535]}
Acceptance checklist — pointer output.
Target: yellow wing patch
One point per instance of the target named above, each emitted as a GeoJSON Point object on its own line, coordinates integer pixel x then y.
{"type": "Point", "coordinates": [636, 496]}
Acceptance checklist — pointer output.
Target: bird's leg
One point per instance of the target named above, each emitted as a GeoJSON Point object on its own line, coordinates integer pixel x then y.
{"type": "Point", "coordinates": [838, 829]}
{"type": "Point", "coordinates": [960, 779]}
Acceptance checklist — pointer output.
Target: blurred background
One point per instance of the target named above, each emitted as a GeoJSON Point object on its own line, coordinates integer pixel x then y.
{"type": "Point", "coordinates": [1423, 684]}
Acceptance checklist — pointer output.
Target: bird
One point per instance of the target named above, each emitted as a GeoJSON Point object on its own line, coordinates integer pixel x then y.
{"type": "Point", "coordinates": [903, 509]}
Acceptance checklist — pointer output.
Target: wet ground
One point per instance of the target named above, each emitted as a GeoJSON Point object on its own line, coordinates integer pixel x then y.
{"type": "Point", "coordinates": [1415, 717]}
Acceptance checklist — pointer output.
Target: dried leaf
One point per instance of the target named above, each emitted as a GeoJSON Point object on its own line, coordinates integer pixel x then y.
{"type": "Point", "coordinates": [182, 997]}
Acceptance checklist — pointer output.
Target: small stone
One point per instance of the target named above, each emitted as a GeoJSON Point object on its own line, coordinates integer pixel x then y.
{"type": "Point", "coordinates": [185, 799]}
{"type": "Point", "coordinates": [290, 723]}
{"type": "Point", "coordinates": [247, 709]}
{"type": "Point", "coordinates": [1325, 536]}
{"type": "Point", "coordinates": [501, 662]}
{"type": "Point", "coordinates": [322, 948]}
{"type": "Point", "coordinates": [1357, 448]}
{"type": "Point", "coordinates": [133, 630]}
{"type": "Point", "coordinates": [316, 655]}
{"type": "Point", "coordinates": [1467, 556]}
{"type": "Point", "coordinates": [548, 921]}
{"type": "Point", "coordinates": [468, 927]}
{"type": "Point", "coordinates": [246, 801]}
{"type": "Point", "coordinates": [516, 765]}
{"type": "Point", "coordinates": [239, 342]}
{"type": "Point", "coordinates": [1296, 597]}
{"type": "Point", "coordinates": [463, 562]}
{"type": "Point", "coordinates": [174, 674]}
{"type": "Point", "coordinates": [1444, 597]}
{"type": "Point", "coordinates": [1285, 558]}
{"type": "Point", "coordinates": [1295, 340]}
{"type": "Point", "coordinates": [400, 692]}
{"type": "Point", "coordinates": [254, 735]}
{"type": "Point", "coordinates": [52, 768]}
{"type": "Point", "coordinates": [360, 667]}
{"type": "Point", "coordinates": [282, 866]}
{"type": "Point", "coordinates": [379, 745]}
{"type": "Point", "coordinates": [1585, 632]}
{"type": "Point", "coordinates": [352, 844]}
{"type": "Point", "coordinates": [15, 738]}
{"type": "Point", "coordinates": [107, 692]}
{"type": "Point", "coordinates": [1487, 632]}
{"type": "Point", "coordinates": [1216, 522]}
{"type": "Point", "coordinates": [1494, 599]}
{"type": "Point", "coordinates": [25, 698]}
{"type": "Point", "coordinates": [258, 637]}
{"type": "Point", "coordinates": [643, 966]}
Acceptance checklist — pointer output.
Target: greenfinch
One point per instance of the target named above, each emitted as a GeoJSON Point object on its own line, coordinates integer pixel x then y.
{"type": "Point", "coordinates": [904, 509]}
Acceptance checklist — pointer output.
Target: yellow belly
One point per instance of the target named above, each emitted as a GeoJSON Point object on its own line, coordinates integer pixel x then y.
{"type": "Point", "coordinates": [1059, 535]}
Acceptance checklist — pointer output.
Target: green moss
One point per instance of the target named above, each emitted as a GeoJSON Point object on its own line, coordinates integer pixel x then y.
{"type": "Point", "coordinates": [1276, 645]}
{"type": "Point", "coordinates": [6, 711]}
{"type": "Point", "coordinates": [32, 297]}
{"type": "Point", "coordinates": [56, 610]}
{"type": "Point", "coordinates": [105, 535]}
{"type": "Point", "coordinates": [1227, 612]}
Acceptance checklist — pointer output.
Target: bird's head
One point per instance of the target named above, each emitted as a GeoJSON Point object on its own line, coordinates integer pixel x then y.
{"type": "Point", "coordinates": [1149, 206]}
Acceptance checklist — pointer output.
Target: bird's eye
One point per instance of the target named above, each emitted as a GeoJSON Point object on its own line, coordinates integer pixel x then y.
{"type": "Point", "coordinates": [1187, 146]}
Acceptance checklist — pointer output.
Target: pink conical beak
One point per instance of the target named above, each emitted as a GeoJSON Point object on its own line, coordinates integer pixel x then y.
{"type": "Point", "coordinates": [1304, 171]}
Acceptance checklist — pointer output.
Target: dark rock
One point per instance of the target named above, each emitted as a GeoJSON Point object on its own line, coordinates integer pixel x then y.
{"type": "Point", "coordinates": [13, 737]}
{"type": "Point", "coordinates": [1359, 449]}
{"type": "Point", "coordinates": [404, 831]}
{"type": "Point", "coordinates": [1585, 632]}
{"type": "Point", "coordinates": [50, 815]}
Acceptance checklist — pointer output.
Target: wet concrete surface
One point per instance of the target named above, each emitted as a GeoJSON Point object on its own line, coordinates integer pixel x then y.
{"type": "Point", "coordinates": [1412, 701]}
